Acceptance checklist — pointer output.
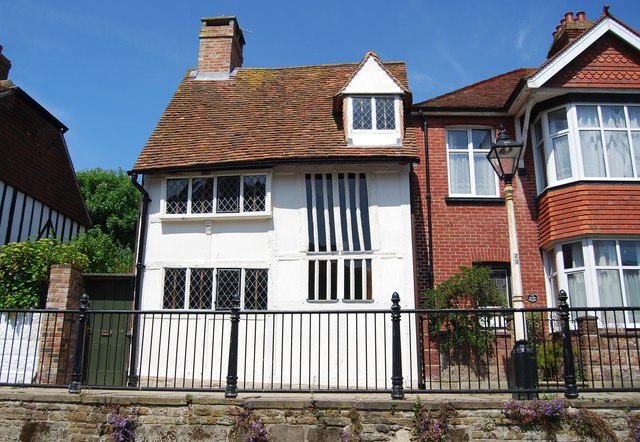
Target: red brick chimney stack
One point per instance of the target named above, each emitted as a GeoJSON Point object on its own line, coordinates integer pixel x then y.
{"type": "Point", "coordinates": [5, 66]}
{"type": "Point", "coordinates": [221, 43]}
{"type": "Point", "coordinates": [570, 28]}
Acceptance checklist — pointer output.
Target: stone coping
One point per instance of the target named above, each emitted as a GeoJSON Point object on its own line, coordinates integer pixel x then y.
{"type": "Point", "coordinates": [293, 401]}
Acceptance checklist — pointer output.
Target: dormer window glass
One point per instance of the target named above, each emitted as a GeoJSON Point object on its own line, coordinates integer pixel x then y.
{"type": "Point", "coordinates": [374, 112]}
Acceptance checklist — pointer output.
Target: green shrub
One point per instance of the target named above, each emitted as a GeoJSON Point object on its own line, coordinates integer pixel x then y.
{"type": "Point", "coordinates": [464, 336]}
{"type": "Point", "coordinates": [24, 270]}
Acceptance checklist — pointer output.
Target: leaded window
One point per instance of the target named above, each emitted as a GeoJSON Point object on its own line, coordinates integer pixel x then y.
{"type": "Point", "coordinates": [193, 288]}
{"type": "Point", "coordinates": [377, 113]}
{"type": "Point", "coordinates": [226, 194]}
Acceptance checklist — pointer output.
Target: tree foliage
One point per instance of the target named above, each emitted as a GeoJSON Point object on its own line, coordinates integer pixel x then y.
{"type": "Point", "coordinates": [24, 270]}
{"type": "Point", "coordinates": [112, 202]}
{"type": "Point", "coordinates": [104, 253]}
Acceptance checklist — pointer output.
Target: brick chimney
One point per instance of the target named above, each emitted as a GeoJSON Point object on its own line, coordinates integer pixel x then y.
{"type": "Point", "coordinates": [221, 43]}
{"type": "Point", "coordinates": [568, 31]}
{"type": "Point", "coordinates": [5, 65]}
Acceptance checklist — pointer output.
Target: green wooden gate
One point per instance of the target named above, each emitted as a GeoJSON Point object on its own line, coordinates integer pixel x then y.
{"type": "Point", "coordinates": [109, 335]}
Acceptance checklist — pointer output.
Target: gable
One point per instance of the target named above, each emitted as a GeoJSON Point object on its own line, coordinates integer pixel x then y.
{"type": "Point", "coordinates": [608, 63]}
{"type": "Point", "coordinates": [371, 78]}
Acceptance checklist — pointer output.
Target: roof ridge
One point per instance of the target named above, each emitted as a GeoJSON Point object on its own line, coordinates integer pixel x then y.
{"type": "Point", "coordinates": [486, 80]}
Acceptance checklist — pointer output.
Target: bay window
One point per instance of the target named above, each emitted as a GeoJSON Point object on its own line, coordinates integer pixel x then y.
{"type": "Point", "coordinates": [584, 141]}
{"type": "Point", "coordinates": [600, 273]}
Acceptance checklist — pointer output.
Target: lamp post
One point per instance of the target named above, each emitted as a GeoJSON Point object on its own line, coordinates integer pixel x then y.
{"type": "Point", "coordinates": [504, 156]}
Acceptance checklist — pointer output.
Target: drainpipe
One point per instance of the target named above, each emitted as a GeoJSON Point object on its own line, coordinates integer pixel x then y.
{"type": "Point", "coordinates": [137, 288]}
{"type": "Point", "coordinates": [428, 198]}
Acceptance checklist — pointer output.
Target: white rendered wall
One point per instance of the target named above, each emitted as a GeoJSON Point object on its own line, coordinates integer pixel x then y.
{"type": "Point", "coordinates": [19, 337]}
{"type": "Point", "coordinates": [279, 243]}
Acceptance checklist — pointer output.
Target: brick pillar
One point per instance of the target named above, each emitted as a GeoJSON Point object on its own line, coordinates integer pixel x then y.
{"type": "Point", "coordinates": [58, 333]}
{"type": "Point", "coordinates": [589, 341]}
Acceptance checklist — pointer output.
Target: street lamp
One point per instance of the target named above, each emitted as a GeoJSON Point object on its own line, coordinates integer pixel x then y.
{"type": "Point", "coordinates": [504, 156]}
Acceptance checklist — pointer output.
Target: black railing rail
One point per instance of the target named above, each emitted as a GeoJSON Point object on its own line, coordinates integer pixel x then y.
{"type": "Point", "coordinates": [395, 350]}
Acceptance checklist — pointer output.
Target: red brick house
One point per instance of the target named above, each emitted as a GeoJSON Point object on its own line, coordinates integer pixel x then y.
{"type": "Point", "coordinates": [577, 194]}
{"type": "Point", "coordinates": [39, 194]}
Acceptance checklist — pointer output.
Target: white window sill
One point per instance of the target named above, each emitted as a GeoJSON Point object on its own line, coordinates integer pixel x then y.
{"type": "Point", "coordinates": [214, 216]}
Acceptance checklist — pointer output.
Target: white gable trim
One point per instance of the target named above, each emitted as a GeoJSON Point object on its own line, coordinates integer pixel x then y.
{"type": "Point", "coordinates": [371, 78]}
{"type": "Point", "coordinates": [586, 40]}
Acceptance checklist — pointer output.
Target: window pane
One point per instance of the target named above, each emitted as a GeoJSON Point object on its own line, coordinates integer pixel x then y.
{"type": "Point", "coordinates": [201, 289]}
{"type": "Point", "coordinates": [254, 193]}
{"type": "Point", "coordinates": [481, 139]}
{"type": "Point", "coordinates": [361, 112]}
{"type": "Point", "coordinates": [572, 255]}
{"type": "Point", "coordinates": [588, 116]}
{"type": "Point", "coordinates": [227, 285]}
{"type": "Point", "coordinates": [177, 196]}
{"type": "Point", "coordinates": [500, 279]}
{"type": "Point", "coordinates": [635, 142]}
{"type": "Point", "coordinates": [557, 120]}
{"type": "Point", "coordinates": [542, 160]}
{"type": "Point", "coordinates": [320, 214]}
{"type": "Point", "coordinates": [202, 195]}
{"type": "Point", "coordinates": [385, 113]}
{"type": "Point", "coordinates": [634, 116]}
{"type": "Point", "coordinates": [605, 253]}
{"type": "Point", "coordinates": [538, 131]}
{"type": "Point", "coordinates": [618, 154]}
{"type": "Point", "coordinates": [344, 220]}
{"type": "Point", "coordinates": [592, 153]}
{"type": "Point", "coordinates": [613, 116]}
{"type": "Point", "coordinates": [609, 288]}
{"type": "Point", "coordinates": [256, 286]}
{"type": "Point", "coordinates": [459, 179]}
{"type": "Point", "coordinates": [577, 292]}
{"type": "Point", "coordinates": [228, 194]}
{"type": "Point", "coordinates": [562, 157]}
{"type": "Point", "coordinates": [457, 139]}
{"type": "Point", "coordinates": [354, 213]}
{"type": "Point", "coordinates": [485, 176]}
{"type": "Point", "coordinates": [310, 231]}
{"type": "Point", "coordinates": [630, 253]}
{"type": "Point", "coordinates": [632, 287]}
{"type": "Point", "coordinates": [332, 222]}
{"type": "Point", "coordinates": [174, 288]}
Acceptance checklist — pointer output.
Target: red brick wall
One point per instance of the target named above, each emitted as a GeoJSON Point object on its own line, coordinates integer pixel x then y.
{"type": "Point", "coordinates": [589, 209]}
{"type": "Point", "coordinates": [220, 47]}
{"type": "Point", "coordinates": [468, 233]}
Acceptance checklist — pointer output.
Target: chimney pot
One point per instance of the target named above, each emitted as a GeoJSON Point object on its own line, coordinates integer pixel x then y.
{"type": "Point", "coordinates": [581, 16]}
{"type": "Point", "coordinates": [568, 16]}
{"type": "Point", "coordinates": [562, 22]}
{"type": "Point", "coordinates": [5, 66]}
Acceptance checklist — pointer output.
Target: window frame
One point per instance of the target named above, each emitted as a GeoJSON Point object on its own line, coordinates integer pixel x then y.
{"type": "Point", "coordinates": [575, 147]}
{"type": "Point", "coordinates": [589, 270]}
{"type": "Point", "coordinates": [214, 287]}
{"type": "Point", "coordinates": [374, 136]}
{"type": "Point", "coordinates": [470, 151]}
{"type": "Point", "coordinates": [215, 213]}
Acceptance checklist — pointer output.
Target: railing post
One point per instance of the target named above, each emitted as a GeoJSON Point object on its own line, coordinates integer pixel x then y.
{"type": "Point", "coordinates": [397, 391]}
{"type": "Point", "coordinates": [231, 390]}
{"type": "Point", "coordinates": [76, 376]}
{"type": "Point", "coordinates": [570, 387]}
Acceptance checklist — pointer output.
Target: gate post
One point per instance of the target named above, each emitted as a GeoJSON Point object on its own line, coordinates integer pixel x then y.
{"type": "Point", "coordinates": [231, 389]}
{"type": "Point", "coordinates": [397, 391]}
{"type": "Point", "coordinates": [570, 387]}
{"type": "Point", "coordinates": [76, 376]}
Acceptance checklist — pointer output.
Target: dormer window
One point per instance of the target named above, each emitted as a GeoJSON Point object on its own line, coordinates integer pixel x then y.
{"type": "Point", "coordinates": [374, 112]}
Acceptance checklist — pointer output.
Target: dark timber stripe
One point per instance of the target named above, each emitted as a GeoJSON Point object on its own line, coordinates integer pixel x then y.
{"type": "Point", "coordinates": [33, 209]}
{"type": "Point", "coordinates": [4, 193]}
{"type": "Point", "coordinates": [24, 206]}
{"type": "Point", "coordinates": [12, 209]}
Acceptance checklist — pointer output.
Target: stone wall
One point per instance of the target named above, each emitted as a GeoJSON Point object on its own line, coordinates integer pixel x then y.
{"type": "Point", "coordinates": [45, 414]}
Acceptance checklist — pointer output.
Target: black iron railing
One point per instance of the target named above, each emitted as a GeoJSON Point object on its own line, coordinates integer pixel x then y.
{"type": "Point", "coordinates": [394, 351]}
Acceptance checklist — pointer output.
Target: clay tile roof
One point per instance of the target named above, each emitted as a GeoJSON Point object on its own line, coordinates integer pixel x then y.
{"type": "Point", "coordinates": [262, 116]}
{"type": "Point", "coordinates": [490, 94]}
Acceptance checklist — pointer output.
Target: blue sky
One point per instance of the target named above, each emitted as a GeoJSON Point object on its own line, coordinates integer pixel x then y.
{"type": "Point", "coordinates": [107, 70]}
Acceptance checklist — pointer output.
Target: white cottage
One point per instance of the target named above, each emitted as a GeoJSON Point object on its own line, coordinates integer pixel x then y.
{"type": "Point", "coordinates": [287, 186]}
